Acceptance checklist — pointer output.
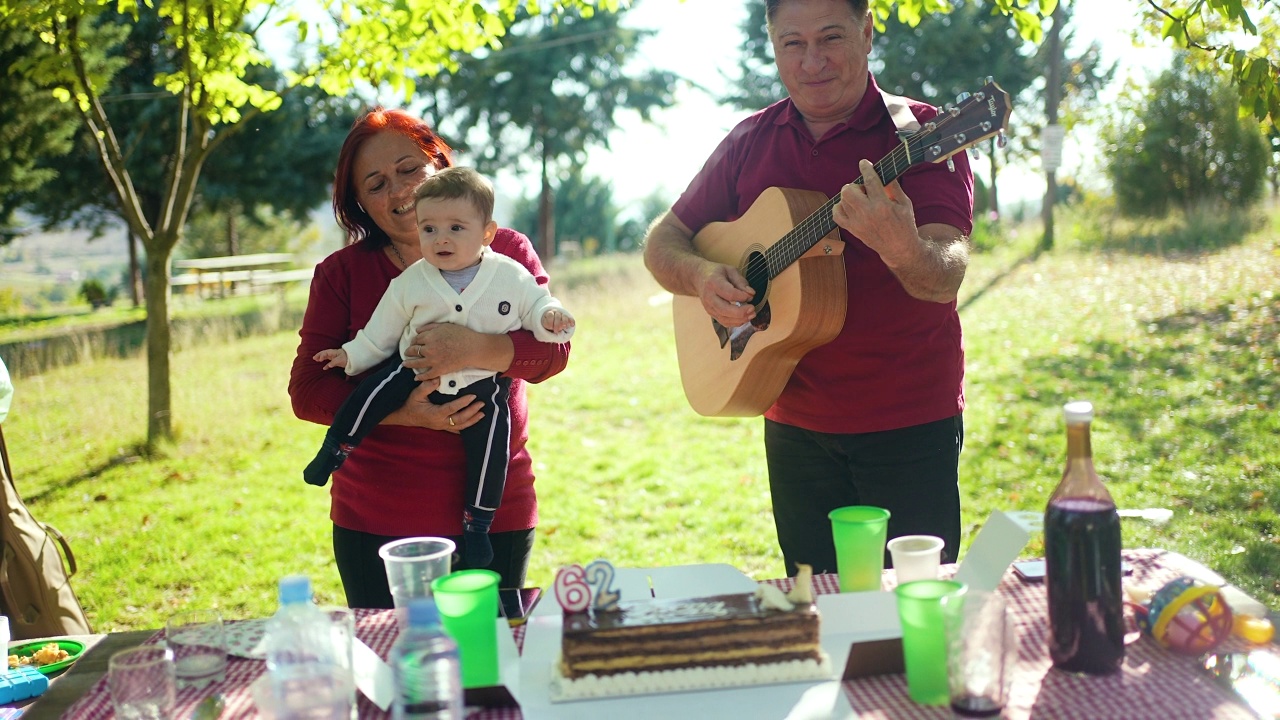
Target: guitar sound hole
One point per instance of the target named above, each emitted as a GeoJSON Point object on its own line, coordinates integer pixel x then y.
{"type": "Point", "coordinates": [756, 271]}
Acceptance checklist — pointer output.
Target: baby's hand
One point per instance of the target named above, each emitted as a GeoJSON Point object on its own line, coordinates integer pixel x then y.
{"type": "Point", "coordinates": [556, 321]}
{"type": "Point", "coordinates": [335, 358]}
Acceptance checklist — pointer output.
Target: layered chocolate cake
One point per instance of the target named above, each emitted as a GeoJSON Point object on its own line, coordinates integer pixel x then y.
{"type": "Point", "coordinates": [671, 645]}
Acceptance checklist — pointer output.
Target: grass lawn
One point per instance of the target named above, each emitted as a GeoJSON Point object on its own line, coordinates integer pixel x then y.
{"type": "Point", "coordinates": [1179, 356]}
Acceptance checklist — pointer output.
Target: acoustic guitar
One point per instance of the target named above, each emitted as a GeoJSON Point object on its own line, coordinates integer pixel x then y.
{"type": "Point", "coordinates": [789, 249]}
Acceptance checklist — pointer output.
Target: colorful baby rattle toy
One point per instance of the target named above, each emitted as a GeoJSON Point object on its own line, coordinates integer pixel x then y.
{"type": "Point", "coordinates": [1186, 616]}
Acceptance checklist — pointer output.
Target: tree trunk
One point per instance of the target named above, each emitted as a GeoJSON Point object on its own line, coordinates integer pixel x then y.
{"type": "Point", "coordinates": [1053, 91]}
{"type": "Point", "coordinates": [135, 276]}
{"type": "Point", "coordinates": [995, 169]}
{"type": "Point", "coordinates": [159, 415]}
{"type": "Point", "coordinates": [546, 215]}
{"type": "Point", "coordinates": [233, 233]}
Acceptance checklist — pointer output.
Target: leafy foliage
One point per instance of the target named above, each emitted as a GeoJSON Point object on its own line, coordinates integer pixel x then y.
{"type": "Point", "coordinates": [209, 48]}
{"type": "Point", "coordinates": [31, 128]}
{"type": "Point", "coordinates": [1184, 146]}
{"type": "Point", "coordinates": [1243, 35]}
{"type": "Point", "coordinates": [586, 214]}
{"type": "Point", "coordinates": [553, 90]}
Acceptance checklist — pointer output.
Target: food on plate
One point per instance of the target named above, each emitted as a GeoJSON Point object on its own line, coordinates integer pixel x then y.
{"type": "Point", "coordinates": [48, 654]}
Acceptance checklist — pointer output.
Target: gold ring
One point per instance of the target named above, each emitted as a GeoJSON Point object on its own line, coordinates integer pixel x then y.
{"type": "Point", "coordinates": [451, 423]}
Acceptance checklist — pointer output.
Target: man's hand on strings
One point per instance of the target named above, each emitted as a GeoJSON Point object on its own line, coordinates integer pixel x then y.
{"type": "Point", "coordinates": [880, 216]}
{"type": "Point", "coordinates": [726, 296]}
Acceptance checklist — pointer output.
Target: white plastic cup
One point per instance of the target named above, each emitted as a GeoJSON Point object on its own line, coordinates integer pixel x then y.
{"type": "Point", "coordinates": [916, 557]}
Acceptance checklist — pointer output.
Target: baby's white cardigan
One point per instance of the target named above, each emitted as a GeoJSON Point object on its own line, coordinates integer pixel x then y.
{"type": "Point", "coordinates": [502, 297]}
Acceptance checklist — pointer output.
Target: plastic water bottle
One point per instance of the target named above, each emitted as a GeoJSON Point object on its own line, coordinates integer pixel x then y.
{"type": "Point", "coordinates": [428, 674]}
{"type": "Point", "coordinates": [307, 682]}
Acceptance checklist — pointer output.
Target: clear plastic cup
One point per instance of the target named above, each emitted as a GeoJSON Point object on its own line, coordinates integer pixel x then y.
{"type": "Point", "coordinates": [412, 563]}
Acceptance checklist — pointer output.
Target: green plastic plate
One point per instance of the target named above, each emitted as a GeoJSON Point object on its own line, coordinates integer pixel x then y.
{"type": "Point", "coordinates": [74, 650]}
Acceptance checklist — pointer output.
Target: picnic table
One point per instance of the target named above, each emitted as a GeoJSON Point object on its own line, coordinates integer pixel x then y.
{"type": "Point", "coordinates": [1153, 682]}
{"type": "Point", "coordinates": [217, 276]}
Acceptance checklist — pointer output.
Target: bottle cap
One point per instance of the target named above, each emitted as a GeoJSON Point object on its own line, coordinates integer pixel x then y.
{"type": "Point", "coordinates": [295, 589]}
{"type": "Point", "coordinates": [1078, 411]}
{"type": "Point", "coordinates": [423, 612]}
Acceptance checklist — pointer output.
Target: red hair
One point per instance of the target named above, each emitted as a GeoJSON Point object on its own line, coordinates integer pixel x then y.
{"type": "Point", "coordinates": [346, 209]}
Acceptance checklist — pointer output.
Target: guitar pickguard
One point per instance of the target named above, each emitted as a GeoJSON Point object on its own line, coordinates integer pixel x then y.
{"type": "Point", "coordinates": [737, 337]}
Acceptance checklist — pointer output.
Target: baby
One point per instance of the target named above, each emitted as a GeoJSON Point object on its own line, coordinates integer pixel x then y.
{"type": "Point", "coordinates": [459, 280]}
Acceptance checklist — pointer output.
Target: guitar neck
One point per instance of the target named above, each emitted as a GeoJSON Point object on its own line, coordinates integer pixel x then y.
{"type": "Point", "coordinates": [819, 224]}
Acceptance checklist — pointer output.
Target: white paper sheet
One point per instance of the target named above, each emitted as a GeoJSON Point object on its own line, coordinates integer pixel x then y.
{"type": "Point", "coordinates": [998, 544]}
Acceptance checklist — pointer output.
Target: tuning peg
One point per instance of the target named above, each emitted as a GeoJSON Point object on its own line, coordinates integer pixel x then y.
{"type": "Point", "coordinates": [974, 152]}
{"type": "Point", "coordinates": [1001, 140]}
{"type": "Point", "coordinates": [963, 96]}
{"type": "Point", "coordinates": [951, 165]}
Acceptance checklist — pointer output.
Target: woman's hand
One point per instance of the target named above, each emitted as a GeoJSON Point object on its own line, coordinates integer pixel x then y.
{"type": "Point", "coordinates": [419, 411]}
{"type": "Point", "coordinates": [443, 348]}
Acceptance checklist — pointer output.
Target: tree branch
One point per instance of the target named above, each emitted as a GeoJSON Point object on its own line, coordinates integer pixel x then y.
{"type": "Point", "coordinates": [95, 118]}
{"type": "Point", "coordinates": [1186, 30]}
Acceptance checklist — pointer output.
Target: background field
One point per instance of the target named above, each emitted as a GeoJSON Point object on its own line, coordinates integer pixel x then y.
{"type": "Point", "coordinates": [1178, 354]}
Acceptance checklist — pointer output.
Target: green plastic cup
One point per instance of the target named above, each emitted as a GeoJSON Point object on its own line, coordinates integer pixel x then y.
{"type": "Point", "coordinates": [859, 533]}
{"type": "Point", "coordinates": [922, 608]}
{"type": "Point", "coordinates": [468, 604]}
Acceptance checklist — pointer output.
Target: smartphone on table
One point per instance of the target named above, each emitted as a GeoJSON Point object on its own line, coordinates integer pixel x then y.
{"type": "Point", "coordinates": [1033, 570]}
{"type": "Point", "coordinates": [516, 604]}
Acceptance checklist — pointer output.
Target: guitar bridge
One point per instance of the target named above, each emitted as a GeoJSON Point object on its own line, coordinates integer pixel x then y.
{"type": "Point", "coordinates": [737, 338]}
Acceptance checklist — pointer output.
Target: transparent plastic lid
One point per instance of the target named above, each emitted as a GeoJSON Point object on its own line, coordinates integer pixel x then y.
{"type": "Point", "coordinates": [295, 589]}
{"type": "Point", "coordinates": [1078, 411]}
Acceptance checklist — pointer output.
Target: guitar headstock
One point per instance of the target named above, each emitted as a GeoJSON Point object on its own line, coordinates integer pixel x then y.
{"type": "Point", "coordinates": [974, 119]}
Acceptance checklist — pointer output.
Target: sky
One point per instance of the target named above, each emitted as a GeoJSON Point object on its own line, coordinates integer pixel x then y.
{"type": "Point", "coordinates": [700, 40]}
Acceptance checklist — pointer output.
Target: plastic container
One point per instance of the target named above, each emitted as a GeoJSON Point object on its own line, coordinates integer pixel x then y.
{"type": "Point", "coordinates": [306, 680]}
{"type": "Point", "coordinates": [428, 675]}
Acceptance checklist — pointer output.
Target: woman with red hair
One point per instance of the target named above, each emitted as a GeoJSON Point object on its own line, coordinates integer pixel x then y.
{"type": "Point", "coordinates": [408, 478]}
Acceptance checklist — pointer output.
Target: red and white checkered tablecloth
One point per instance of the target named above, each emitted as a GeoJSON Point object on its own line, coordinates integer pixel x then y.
{"type": "Point", "coordinates": [1153, 683]}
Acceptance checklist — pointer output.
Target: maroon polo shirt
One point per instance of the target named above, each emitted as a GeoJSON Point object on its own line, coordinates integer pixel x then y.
{"type": "Point", "coordinates": [898, 361]}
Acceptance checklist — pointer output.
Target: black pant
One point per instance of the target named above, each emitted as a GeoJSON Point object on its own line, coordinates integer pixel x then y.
{"type": "Point", "coordinates": [364, 578]}
{"type": "Point", "coordinates": [911, 472]}
{"type": "Point", "coordinates": [487, 443]}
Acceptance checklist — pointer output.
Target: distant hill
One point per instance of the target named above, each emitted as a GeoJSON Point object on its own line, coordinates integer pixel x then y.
{"type": "Point", "coordinates": [62, 257]}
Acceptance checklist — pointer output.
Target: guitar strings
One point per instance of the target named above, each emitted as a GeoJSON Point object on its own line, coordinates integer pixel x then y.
{"type": "Point", "coordinates": [819, 223]}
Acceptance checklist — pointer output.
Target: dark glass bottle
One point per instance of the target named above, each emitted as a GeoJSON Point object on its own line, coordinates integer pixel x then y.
{"type": "Point", "coordinates": [1082, 561]}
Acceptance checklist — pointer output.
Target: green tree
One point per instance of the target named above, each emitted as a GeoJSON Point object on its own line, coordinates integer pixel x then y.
{"type": "Point", "coordinates": [944, 56]}
{"type": "Point", "coordinates": [933, 58]}
{"type": "Point", "coordinates": [553, 91]}
{"type": "Point", "coordinates": [584, 210]}
{"type": "Point", "coordinates": [213, 44]}
{"type": "Point", "coordinates": [1183, 145]}
{"type": "Point", "coordinates": [31, 128]}
{"type": "Point", "coordinates": [1236, 34]}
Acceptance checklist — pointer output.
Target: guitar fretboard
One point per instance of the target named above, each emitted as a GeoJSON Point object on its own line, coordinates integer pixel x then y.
{"type": "Point", "coordinates": [809, 231]}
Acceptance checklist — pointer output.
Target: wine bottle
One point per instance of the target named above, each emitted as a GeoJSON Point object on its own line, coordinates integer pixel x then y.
{"type": "Point", "coordinates": [1082, 560]}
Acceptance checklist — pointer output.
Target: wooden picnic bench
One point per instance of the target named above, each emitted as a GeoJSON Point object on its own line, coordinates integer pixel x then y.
{"type": "Point", "coordinates": [220, 275]}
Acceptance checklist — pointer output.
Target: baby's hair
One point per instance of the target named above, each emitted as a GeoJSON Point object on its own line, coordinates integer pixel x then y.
{"type": "Point", "coordinates": [454, 183]}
